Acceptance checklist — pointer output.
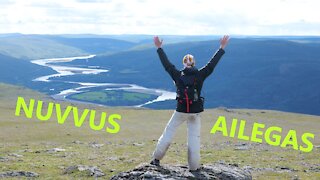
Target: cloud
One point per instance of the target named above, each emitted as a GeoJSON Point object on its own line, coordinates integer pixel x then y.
{"type": "Point", "coordinates": [94, 1]}
{"type": "Point", "coordinates": [160, 17]}
{"type": "Point", "coordinates": [6, 2]}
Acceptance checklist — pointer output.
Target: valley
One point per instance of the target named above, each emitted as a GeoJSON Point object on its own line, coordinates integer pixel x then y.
{"type": "Point", "coordinates": [275, 73]}
{"type": "Point", "coordinates": [111, 94]}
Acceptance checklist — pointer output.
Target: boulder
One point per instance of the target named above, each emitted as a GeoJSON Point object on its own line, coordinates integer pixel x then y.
{"type": "Point", "coordinates": [90, 170]}
{"type": "Point", "coordinates": [54, 150]}
{"type": "Point", "coordinates": [18, 174]}
{"type": "Point", "coordinates": [211, 171]}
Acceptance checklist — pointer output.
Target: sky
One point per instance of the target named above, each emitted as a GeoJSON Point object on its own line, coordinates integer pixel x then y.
{"type": "Point", "coordinates": [170, 17]}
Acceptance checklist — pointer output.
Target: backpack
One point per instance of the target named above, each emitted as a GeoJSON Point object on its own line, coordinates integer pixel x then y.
{"type": "Point", "coordinates": [187, 91]}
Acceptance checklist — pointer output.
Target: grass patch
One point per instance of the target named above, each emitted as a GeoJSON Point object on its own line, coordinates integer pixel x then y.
{"type": "Point", "coordinates": [113, 98]}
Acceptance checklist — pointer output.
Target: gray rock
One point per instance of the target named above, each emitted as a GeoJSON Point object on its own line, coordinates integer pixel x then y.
{"type": "Point", "coordinates": [95, 145]}
{"type": "Point", "coordinates": [229, 110]}
{"type": "Point", "coordinates": [278, 169]}
{"type": "Point", "coordinates": [212, 171]}
{"type": "Point", "coordinates": [18, 174]}
{"type": "Point", "coordinates": [295, 177]}
{"type": "Point", "coordinates": [53, 150]}
{"type": "Point", "coordinates": [112, 158]}
{"type": "Point", "coordinates": [314, 169]}
{"type": "Point", "coordinates": [15, 155]}
{"type": "Point", "coordinates": [138, 144]}
{"type": "Point", "coordinates": [91, 170]}
{"type": "Point", "coordinates": [77, 142]}
{"type": "Point", "coordinates": [4, 159]}
{"type": "Point", "coordinates": [25, 150]}
{"type": "Point", "coordinates": [242, 146]}
{"type": "Point", "coordinates": [284, 169]}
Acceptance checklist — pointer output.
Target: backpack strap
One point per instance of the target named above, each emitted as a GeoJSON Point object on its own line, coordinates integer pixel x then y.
{"type": "Point", "coordinates": [187, 100]}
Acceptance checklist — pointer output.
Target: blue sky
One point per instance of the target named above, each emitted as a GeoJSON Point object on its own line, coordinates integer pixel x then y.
{"type": "Point", "coordinates": [188, 17]}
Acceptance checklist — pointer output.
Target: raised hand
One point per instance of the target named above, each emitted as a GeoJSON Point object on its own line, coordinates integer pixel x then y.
{"type": "Point", "coordinates": [157, 41]}
{"type": "Point", "coordinates": [224, 41]}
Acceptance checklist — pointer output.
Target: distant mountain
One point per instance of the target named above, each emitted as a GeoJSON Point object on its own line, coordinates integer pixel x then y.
{"type": "Point", "coordinates": [31, 47]}
{"type": "Point", "coordinates": [15, 71]}
{"type": "Point", "coordinates": [280, 74]}
{"type": "Point", "coordinates": [95, 45]}
{"type": "Point", "coordinates": [168, 38]}
{"type": "Point", "coordinates": [139, 38]}
{"type": "Point", "coordinates": [18, 72]}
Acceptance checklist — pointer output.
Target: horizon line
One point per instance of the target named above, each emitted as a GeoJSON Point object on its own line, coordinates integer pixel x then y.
{"type": "Point", "coordinates": [200, 35]}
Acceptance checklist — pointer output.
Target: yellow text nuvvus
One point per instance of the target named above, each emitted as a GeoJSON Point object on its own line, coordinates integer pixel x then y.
{"type": "Point", "coordinates": [70, 111]}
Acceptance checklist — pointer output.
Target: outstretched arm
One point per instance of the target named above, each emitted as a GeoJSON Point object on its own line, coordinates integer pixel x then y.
{"type": "Point", "coordinates": [208, 68]}
{"type": "Point", "coordinates": [168, 66]}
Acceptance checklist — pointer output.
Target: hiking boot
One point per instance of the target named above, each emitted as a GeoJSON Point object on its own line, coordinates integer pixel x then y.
{"type": "Point", "coordinates": [155, 162]}
{"type": "Point", "coordinates": [195, 170]}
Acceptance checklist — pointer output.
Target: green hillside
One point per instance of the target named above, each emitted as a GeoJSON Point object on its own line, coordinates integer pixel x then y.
{"type": "Point", "coordinates": [35, 47]}
{"type": "Point", "coordinates": [25, 144]}
{"type": "Point", "coordinates": [113, 98]}
{"type": "Point", "coordinates": [16, 71]}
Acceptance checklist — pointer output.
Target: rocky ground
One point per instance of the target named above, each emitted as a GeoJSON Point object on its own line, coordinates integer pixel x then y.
{"type": "Point", "coordinates": [214, 171]}
{"type": "Point", "coordinates": [80, 159]}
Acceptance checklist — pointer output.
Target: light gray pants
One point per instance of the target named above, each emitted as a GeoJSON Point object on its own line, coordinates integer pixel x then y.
{"type": "Point", "coordinates": [194, 125]}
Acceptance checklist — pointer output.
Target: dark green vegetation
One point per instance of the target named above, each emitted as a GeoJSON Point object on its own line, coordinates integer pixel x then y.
{"type": "Point", "coordinates": [113, 98]}
{"type": "Point", "coordinates": [27, 144]}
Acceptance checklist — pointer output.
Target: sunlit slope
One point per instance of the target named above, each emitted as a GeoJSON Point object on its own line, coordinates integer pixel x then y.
{"type": "Point", "coordinates": [135, 142]}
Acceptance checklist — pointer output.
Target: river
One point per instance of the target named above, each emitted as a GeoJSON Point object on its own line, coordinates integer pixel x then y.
{"type": "Point", "coordinates": [162, 95]}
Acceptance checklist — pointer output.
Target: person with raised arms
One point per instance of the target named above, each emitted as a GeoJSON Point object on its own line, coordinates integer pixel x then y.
{"type": "Point", "coordinates": [190, 104]}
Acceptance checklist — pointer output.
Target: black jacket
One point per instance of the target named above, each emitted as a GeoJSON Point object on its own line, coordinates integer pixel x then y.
{"type": "Point", "coordinates": [200, 75]}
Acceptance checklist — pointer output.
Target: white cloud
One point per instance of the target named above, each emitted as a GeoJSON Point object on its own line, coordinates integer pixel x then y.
{"type": "Point", "coordinates": [272, 17]}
